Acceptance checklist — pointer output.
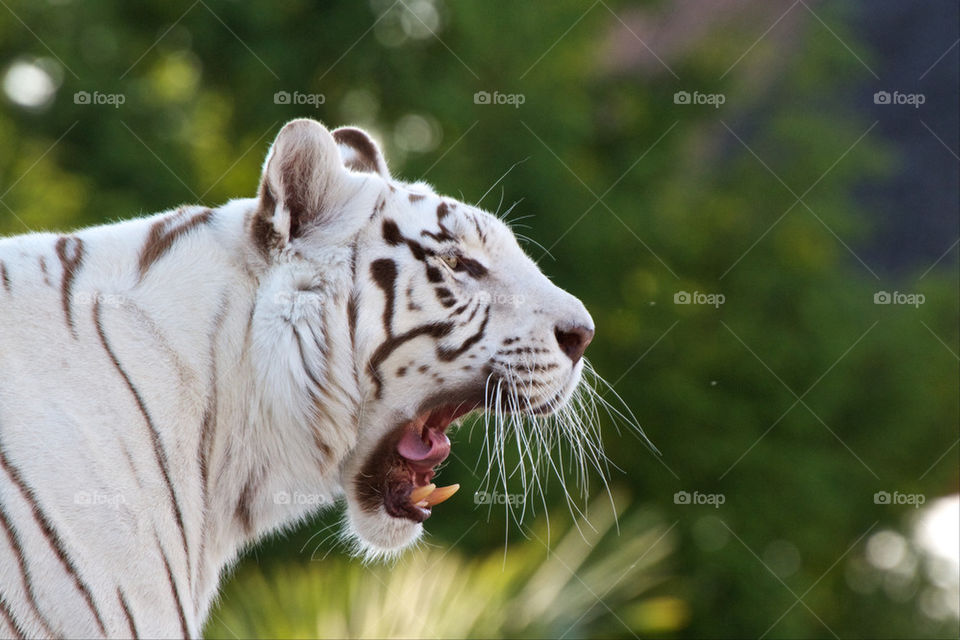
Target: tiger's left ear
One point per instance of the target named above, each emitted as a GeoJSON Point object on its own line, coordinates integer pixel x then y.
{"type": "Point", "coordinates": [359, 152]}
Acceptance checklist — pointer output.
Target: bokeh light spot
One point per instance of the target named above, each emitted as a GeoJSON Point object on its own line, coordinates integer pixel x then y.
{"type": "Point", "coordinates": [31, 84]}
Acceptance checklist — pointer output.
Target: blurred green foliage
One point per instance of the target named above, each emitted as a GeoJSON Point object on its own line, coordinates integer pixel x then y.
{"type": "Point", "coordinates": [797, 399]}
{"type": "Point", "coordinates": [437, 592]}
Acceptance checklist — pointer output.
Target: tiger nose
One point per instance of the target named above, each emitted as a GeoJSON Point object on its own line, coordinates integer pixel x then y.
{"type": "Point", "coordinates": [573, 340]}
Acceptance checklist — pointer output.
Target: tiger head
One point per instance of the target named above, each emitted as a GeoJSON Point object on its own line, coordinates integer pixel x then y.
{"type": "Point", "coordinates": [445, 315]}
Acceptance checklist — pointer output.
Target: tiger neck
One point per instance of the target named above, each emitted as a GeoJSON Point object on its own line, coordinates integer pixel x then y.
{"type": "Point", "coordinates": [282, 407]}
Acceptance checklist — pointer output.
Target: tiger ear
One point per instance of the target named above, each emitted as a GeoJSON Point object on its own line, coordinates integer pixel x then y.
{"type": "Point", "coordinates": [359, 152]}
{"type": "Point", "coordinates": [301, 181]}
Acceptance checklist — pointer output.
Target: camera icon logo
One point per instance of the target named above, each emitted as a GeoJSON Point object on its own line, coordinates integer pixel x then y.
{"type": "Point", "coordinates": [681, 497]}
{"type": "Point", "coordinates": [682, 297]}
{"type": "Point", "coordinates": [681, 97]}
{"type": "Point", "coordinates": [881, 497]}
{"type": "Point", "coordinates": [81, 97]}
{"type": "Point", "coordinates": [281, 497]}
{"type": "Point", "coordinates": [881, 97]}
{"type": "Point", "coordinates": [882, 297]}
{"type": "Point", "coordinates": [281, 97]}
{"type": "Point", "coordinates": [481, 97]}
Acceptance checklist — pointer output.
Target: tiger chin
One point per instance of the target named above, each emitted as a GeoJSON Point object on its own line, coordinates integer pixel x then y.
{"type": "Point", "coordinates": [175, 387]}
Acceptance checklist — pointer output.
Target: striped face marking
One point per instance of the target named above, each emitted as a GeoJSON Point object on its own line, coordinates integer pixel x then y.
{"type": "Point", "coordinates": [448, 286]}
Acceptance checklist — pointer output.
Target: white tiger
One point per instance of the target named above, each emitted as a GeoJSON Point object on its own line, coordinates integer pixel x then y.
{"type": "Point", "coordinates": [166, 381]}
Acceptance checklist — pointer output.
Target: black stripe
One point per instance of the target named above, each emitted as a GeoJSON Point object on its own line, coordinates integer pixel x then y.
{"type": "Point", "coordinates": [352, 320]}
{"type": "Point", "coordinates": [24, 572]}
{"type": "Point", "coordinates": [52, 538]}
{"type": "Point", "coordinates": [158, 450]}
{"type": "Point", "coordinates": [391, 233]}
{"type": "Point", "coordinates": [206, 438]}
{"type": "Point", "coordinates": [262, 232]}
{"type": "Point", "coordinates": [160, 239]}
{"type": "Point", "coordinates": [10, 620]}
{"type": "Point", "coordinates": [433, 274]}
{"type": "Point", "coordinates": [173, 589]}
{"type": "Point", "coordinates": [43, 268]}
{"type": "Point", "coordinates": [473, 314]}
{"type": "Point", "coordinates": [443, 236]}
{"type": "Point", "coordinates": [393, 236]}
{"type": "Point", "coordinates": [445, 296]}
{"type": "Point", "coordinates": [352, 301]}
{"type": "Point", "coordinates": [449, 354]}
{"type": "Point", "coordinates": [335, 388]}
{"type": "Point", "coordinates": [384, 273]}
{"type": "Point", "coordinates": [318, 405]}
{"type": "Point", "coordinates": [133, 466]}
{"type": "Point", "coordinates": [71, 264]}
{"type": "Point", "coordinates": [476, 225]}
{"type": "Point", "coordinates": [434, 330]}
{"type": "Point", "coordinates": [471, 267]}
{"type": "Point", "coordinates": [127, 614]}
{"type": "Point", "coordinates": [242, 512]}
{"type": "Point", "coordinates": [380, 205]}
{"type": "Point", "coordinates": [303, 358]}
{"type": "Point", "coordinates": [4, 276]}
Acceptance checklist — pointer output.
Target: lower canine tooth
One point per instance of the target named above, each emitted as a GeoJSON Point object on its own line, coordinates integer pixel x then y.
{"type": "Point", "coordinates": [441, 494]}
{"type": "Point", "coordinates": [420, 493]}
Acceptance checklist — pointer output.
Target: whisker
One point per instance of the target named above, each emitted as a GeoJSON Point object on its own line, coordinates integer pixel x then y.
{"type": "Point", "coordinates": [564, 442]}
{"type": "Point", "coordinates": [505, 173]}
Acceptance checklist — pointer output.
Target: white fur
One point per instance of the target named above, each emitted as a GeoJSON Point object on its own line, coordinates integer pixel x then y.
{"type": "Point", "coordinates": [210, 332]}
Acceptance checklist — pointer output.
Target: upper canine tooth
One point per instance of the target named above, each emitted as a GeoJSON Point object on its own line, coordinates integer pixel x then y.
{"type": "Point", "coordinates": [420, 493]}
{"type": "Point", "coordinates": [441, 494]}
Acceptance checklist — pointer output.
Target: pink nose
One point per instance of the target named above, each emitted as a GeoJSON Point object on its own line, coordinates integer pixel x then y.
{"type": "Point", "coordinates": [573, 340]}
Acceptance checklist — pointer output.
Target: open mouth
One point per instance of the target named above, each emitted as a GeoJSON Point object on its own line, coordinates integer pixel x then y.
{"type": "Point", "coordinates": [399, 473]}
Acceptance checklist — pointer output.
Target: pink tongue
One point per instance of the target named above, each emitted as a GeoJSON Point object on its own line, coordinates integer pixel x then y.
{"type": "Point", "coordinates": [424, 455]}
